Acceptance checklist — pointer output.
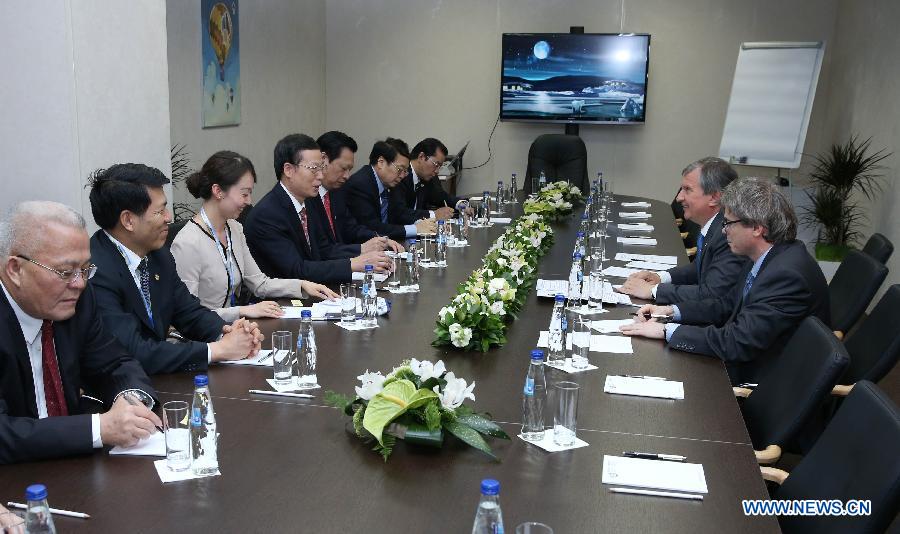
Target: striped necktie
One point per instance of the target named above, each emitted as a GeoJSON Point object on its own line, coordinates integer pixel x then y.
{"type": "Point", "coordinates": [144, 274]}
{"type": "Point", "coordinates": [326, 201]}
{"type": "Point", "coordinates": [385, 195]}
{"type": "Point", "coordinates": [749, 283]}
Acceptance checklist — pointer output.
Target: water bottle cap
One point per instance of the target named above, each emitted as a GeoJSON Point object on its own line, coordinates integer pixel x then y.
{"type": "Point", "coordinates": [499, 181]}
{"type": "Point", "coordinates": [36, 492]}
{"type": "Point", "coordinates": [560, 297]}
{"type": "Point", "coordinates": [486, 193]}
{"type": "Point", "coordinates": [305, 313]}
{"type": "Point", "coordinates": [537, 354]}
{"type": "Point", "coordinates": [577, 255]}
{"type": "Point", "coordinates": [201, 380]}
{"type": "Point", "coordinates": [412, 241]}
{"type": "Point", "coordinates": [489, 486]}
{"type": "Point", "coordinates": [513, 174]}
{"type": "Point", "coordinates": [580, 234]}
{"type": "Point", "coordinates": [441, 222]}
{"type": "Point", "coordinates": [369, 268]}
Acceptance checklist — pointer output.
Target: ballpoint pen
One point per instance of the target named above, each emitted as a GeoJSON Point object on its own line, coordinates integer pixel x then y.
{"type": "Point", "coordinates": [654, 456]}
{"type": "Point", "coordinates": [644, 377]}
{"type": "Point", "coordinates": [130, 399]}
{"type": "Point", "coordinates": [56, 511]}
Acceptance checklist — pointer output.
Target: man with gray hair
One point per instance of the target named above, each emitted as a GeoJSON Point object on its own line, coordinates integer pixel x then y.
{"type": "Point", "coordinates": [53, 346]}
{"type": "Point", "coordinates": [715, 268]}
{"type": "Point", "coordinates": [779, 288]}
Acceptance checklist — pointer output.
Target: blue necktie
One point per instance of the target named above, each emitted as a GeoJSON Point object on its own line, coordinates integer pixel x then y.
{"type": "Point", "coordinates": [144, 273]}
{"type": "Point", "coordinates": [699, 253]}
{"type": "Point", "coordinates": [384, 205]}
{"type": "Point", "coordinates": [749, 283]}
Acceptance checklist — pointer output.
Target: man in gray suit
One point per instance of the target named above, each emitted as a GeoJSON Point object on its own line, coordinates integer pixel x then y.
{"type": "Point", "coordinates": [751, 323]}
{"type": "Point", "coordinates": [715, 268]}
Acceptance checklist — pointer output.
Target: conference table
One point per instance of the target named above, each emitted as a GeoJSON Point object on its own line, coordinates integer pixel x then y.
{"type": "Point", "coordinates": [293, 465]}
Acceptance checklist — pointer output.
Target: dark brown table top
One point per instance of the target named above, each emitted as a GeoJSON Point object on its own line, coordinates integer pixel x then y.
{"type": "Point", "coordinates": [290, 465]}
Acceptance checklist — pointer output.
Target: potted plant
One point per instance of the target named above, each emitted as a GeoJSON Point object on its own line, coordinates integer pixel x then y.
{"type": "Point", "coordinates": [846, 168]}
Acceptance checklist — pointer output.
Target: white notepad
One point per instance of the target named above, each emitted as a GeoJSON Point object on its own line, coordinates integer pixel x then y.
{"type": "Point", "coordinates": [649, 241]}
{"type": "Point", "coordinates": [155, 445]}
{"type": "Point", "coordinates": [634, 215]}
{"type": "Point", "coordinates": [610, 326]}
{"type": "Point", "coordinates": [654, 474]}
{"type": "Point", "coordinates": [263, 359]}
{"type": "Point", "coordinates": [625, 256]}
{"type": "Point", "coordinates": [638, 227]}
{"type": "Point", "coordinates": [501, 220]}
{"type": "Point", "coordinates": [644, 387]}
{"type": "Point", "coordinates": [550, 288]}
{"type": "Point", "coordinates": [635, 204]}
{"type": "Point", "coordinates": [648, 265]}
{"type": "Point", "coordinates": [621, 272]}
{"type": "Point", "coordinates": [599, 343]}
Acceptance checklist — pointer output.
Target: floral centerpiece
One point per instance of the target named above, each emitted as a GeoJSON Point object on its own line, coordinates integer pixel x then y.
{"type": "Point", "coordinates": [554, 200]}
{"type": "Point", "coordinates": [493, 294]}
{"type": "Point", "coordinates": [416, 402]}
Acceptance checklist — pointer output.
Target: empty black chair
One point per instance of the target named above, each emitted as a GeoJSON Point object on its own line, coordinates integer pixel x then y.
{"type": "Point", "coordinates": [793, 388]}
{"type": "Point", "coordinates": [874, 347]}
{"type": "Point", "coordinates": [174, 228]}
{"type": "Point", "coordinates": [851, 290]}
{"type": "Point", "coordinates": [856, 458]}
{"type": "Point", "coordinates": [561, 157]}
{"type": "Point", "coordinates": [879, 247]}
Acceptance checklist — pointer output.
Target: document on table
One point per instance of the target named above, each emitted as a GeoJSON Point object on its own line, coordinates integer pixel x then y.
{"type": "Point", "coordinates": [614, 344]}
{"type": "Point", "coordinates": [610, 296]}
{"type": "Point", "coordinates": [634, 215]}
{"type": "Point", "coordinates": [550, 288]}
{"type": "Point", "coordinates": [644, 387]}
{"type": "Point", "coordinates": [635, 204]}
{"type": "Point", "coordinates": [649, 265]}
{"type": "Point", "coordinates": [262, 359]}
{"type": "Point", "coordinates": [293, 312]}
{"type": "Point", "coordinates": [501, 220]}
{"type": "Point", "coordinates": [359, 277]}
{"type": "Point", "coordinates": [654, 474]}
{"type": "Point", "coordinates": [610, 326]}
{"type": "Point", "coordinates": [624, 256]}
{"type": "Point", "coordinates": [155, 445]}
{"type": "Point", "coordinates": [622, 272]}
{"type": "Point", "coordinates": [637, 227]}
{"type": "Point", "coordinates": [636, 241]}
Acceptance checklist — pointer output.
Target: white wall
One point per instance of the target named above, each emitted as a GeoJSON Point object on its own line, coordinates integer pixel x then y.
{"type": "Point", "coordinates": [282, 52]}
{"type": "Point", "coordinates": [85, 88]}
{"type": "Point", "coordinates": [414, 68]}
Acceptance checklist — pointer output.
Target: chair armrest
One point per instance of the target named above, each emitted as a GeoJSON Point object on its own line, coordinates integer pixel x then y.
{"type": "Point", "coordinates": [769, 455]}
{"type": "Point", "coordinates": [838, 334]}
{"type": "Point", "coordinates": [684, 235]}
{"type": "Point", "coordinates": [679, 221]}
{"type": "Point", "coordinates": [773, 474]}
{"type": "Point", "coordinates": [691, 251]}
{"type": "Point", "coordinates": [841, 390]}
{"type": "Point", "coordinates": [742, 392]}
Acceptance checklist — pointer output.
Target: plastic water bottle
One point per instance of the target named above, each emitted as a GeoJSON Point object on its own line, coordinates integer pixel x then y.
{"type": "Point", "coordinates": [533, 397]}
{"type": "Point", "coordinates": [440, 245]}
{"type": "Point", "coordinates": [37, 516]}
{"type": "Point", "coordinates": [513, 189]}
{"type": "Point", "coordinates": [306, 353]}
{"type": "Point", "coordinates": [414, 251]}
{"type": "Point", "coordinates": [542, 181]}
{"type": "Point", "coordinates": [579, 244]}
{"type": "Point", "coordinates": [599, 181]}
{"type": "Point", "coordinates": [369, 300]}
{"type": "Point", "coordinates": [204, 439]}
{"type": "Point", "coordinates": [486, 202]}
{"type": "Point", "coordinates": [585, 230]}
{"type": "Point", "coordinates": [576, 277]}
{"type": "Point", "coordinates": [500, 197]}
{"type": "Point", "coordinates": [555, 341]}
{"type": "Point", "coordinates": [488, 517]}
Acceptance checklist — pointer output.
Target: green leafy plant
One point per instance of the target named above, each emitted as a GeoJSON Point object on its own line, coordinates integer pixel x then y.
{"type": "Point", "coordinates": [554, 201]}
{"type": "Point", "coordinates": [181, 169]}
{"type": "Point", "coordinates": [846, 168]}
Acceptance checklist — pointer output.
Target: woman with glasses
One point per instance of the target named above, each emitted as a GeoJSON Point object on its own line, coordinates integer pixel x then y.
{"type": "Point", "coordinates": [211, 251]}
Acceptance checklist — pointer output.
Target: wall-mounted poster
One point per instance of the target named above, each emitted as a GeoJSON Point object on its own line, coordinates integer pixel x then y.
{"type": "Point", "coordinates": [221, 63]}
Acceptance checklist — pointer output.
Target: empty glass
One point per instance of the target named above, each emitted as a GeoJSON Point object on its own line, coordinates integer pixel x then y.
{"type": "Point", "coordinates": [393, 279]}
{"type": "Point", "coordinates": [348, 303]}
{"type": "Point", "coordinates": [533, 528]}
{"type": "Point", "coordinates": [581, 342]}
{"type": "Point", "coordinates": [565, 418]}
{"type": "Point", "coordinates": [283, 356]}
{"type": "Point", "coordinates": [178, 435]}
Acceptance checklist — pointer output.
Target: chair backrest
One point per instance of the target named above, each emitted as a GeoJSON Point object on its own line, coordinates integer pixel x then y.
{"type": "Point", "coordinates": [879, 247]}
{"type": "Point", "coordinates": [174, 228]}
{"type": "Point", "coordinates": [561, 157]}
{"type": "Point", "coordinates": [874, 347]}
{"type": "Point", "coordinates": [795, 384]}
{"type": "Point", "coordinates": [692, 228]}
{"type": "Point", "coordinates": [856, 458]}
{"type": "Point", "coordinates": [851, 290]}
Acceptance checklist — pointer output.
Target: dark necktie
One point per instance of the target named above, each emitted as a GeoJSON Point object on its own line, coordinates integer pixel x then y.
{"type": "Point", "coordinates": [53, 390]}
{"type": "Point", "coordinates": [305, 224]}
{"type": "Point", "coordinates": [749, 283]}
{"type": "Point", "coordinates": [385, 195]}
{"type": "Point", "coordinates": [699, 253]}
{"type": "Point", "coordinates": [326, 201]}
{"type": "Point", "coordinates": [419, 194]}
{"type": "Point", "coordinates": [144, 274]}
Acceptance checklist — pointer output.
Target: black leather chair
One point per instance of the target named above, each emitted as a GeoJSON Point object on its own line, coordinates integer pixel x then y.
{"type": "Point", "coordinates": [793, 388]}
{"type": "Point", "coordinates": [879, 247]}
{"type": "Point", "coordinates": [851, 290]}
{"type": "Point", "coordinates": [561, 157]}
{"type": "Point", "coordinates": [874, 347]}
{"type": "Point", "coordinates": [174, 228]}
{"type": "Point", "coordinates": [689, 229]}
{"type": "Point", "coordinates": [856, 458]}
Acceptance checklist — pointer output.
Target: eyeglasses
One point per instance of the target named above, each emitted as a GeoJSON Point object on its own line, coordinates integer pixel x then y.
{"type": "Point", "coordinates": [726, 223]}
{"type": "Point", "coordinates": [433, 161]}
{"type": "Point", "coordinates": [401, 170]}
{"type": "Point", "coordinates": [314, 168]}
{"type": "Point", "coordinates": [68, 276]}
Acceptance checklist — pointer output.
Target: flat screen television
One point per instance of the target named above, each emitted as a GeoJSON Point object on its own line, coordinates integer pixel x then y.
{"type": "Point", "coordinates": [589, 78]}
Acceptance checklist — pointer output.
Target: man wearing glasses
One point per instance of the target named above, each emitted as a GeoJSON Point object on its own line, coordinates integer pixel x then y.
{"type": "Point", "coordinates": [369, 192]}
{"type": "Point", "coordinates": [139, 292]}
{"type": "Point", "coordinates": [285, 240]}
{"type": "Point", "coordinates": [779, 287]}
{"type": "Point", "coordinates": [416, 195]}
{"type": "Point", "coordinates": [53, 346]}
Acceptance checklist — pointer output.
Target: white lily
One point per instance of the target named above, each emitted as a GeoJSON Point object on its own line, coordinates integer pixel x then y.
{"type": "Point", "coordinates": [460, 336]}
{"type": "Point", "coordinates": [497, 308]}
{"type": "Point", "coordinates": [455, 392]}
{"type": "Point", "coordinates": [372, 384]}
{"type": "Point", "coordinates": [425, 369]}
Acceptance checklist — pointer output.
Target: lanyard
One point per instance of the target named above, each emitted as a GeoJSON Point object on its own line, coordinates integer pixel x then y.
{"type": "Point", "coordinates": [223, 253]}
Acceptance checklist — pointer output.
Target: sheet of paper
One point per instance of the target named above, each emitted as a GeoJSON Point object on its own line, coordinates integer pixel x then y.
{"type": "Point", "coordinates": [609, 295]}
{"type": "Point", "coordinates": [647, 241]}
{"type": "Point", "coordinates": [610, 326]}
{"type": "Point", "coordinates": [501, 220]}
{"type": "Point", "coordinates": [648, 265]}
{"type": "Point", "coordinates": [644, 387]}
{"type": "Point", "coordinates": [622, 272]}
{"type": "Point", "coordinates": [293, 312]}
{"type": "Point", "coordinates": [296, 302]}
{"type": "Point", "coordinates": [290, 386]}
{"type": "Point", "coordinates": [624, 256]}
{"type": "Point", "coordinates": [359, 277]}
{"type": "Point", "coordinates": [262, 359]}
{"type": "Point", "coordinates": [155, 445]}
{"type": "Point", "coordinates": [357, 325]}
{"type": "Point", "coordinates": [166, 475]}
{"type": "Point", "coordinates": [638, 227]}
{"type": "Point", "coordinates": [550, 288]}
{"type": "Point", "coordinates": [654, 474]}
{"type": "Point", "coordinates": [634, 215]}
{"type": "Point", "coordinates": [635, 204]}
{"type": "Point", "coordinates": [614, 344]}
{"type": "Point", "coordinates": [548, 445]}
{"type": "Point", "coordinates": [403, 289]}
{"type": "Point", "coordinates": [567, 367]}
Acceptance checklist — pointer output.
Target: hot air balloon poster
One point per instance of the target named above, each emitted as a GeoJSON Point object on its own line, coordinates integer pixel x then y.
{"type": "Point", "coordinates": [221, 63]}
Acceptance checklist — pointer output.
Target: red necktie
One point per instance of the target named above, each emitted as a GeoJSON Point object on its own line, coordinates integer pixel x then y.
{"type": "Point", "coordinates": [53, 390]}
{"type": "Point", "coordinates": [326, 200]}
{"type": "Point", "coordinates": [304, 224]}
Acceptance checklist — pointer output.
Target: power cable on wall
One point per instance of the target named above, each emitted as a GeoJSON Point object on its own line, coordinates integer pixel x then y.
{"type": "Point", "coordinates": [490, 153]}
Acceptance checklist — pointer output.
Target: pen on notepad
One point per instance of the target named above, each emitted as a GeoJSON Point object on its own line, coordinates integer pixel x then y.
{"type": "Point", "coordinates": [654, 456]}
{"type": "Point", "coordinates": [56, 511]}
{"type": "Point", "coordinates": [281, 393]}
{"type": "Point", "coordinates": [652, 315]}
{"type": "Point", "coordinates": [644, 377]}
{"type": "Point", "coordinates": [690, 496]}
{"type": "Point", "coordinates": [134, 402]}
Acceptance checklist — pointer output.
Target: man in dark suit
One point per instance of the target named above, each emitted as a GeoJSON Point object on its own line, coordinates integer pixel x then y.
{"type": "Point", "coordinates": [715, 268]}
{"type": "Point", "coordinates": [751, 323]}
{"type": "Point", "coordinates": [419, 195]}
{"type": "Point", "coordinates": [369, 191]}
{"type": "Point", "coordinates": [285, 240]}
{"type": "Point", "coordinates": [330, 206]}
{"type": "Point", "coordinates": [139, 292]}
{"type": "Point", "coordinates": [53, 346]}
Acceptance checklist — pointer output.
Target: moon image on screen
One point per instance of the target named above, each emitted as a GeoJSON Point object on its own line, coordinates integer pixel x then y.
{"type": "Point", "coordinates": [541, 50]}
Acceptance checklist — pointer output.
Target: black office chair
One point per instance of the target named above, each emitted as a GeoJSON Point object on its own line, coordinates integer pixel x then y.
{"type": "Point", "coordinates": [793, 388]}
{"type": "Point", "coordinates": [561, 157]}
{"type": "Point", "coordinates": [174, 228]}
{"type": "Point", "coordinates": [879, 247]}
{"type": "Point", "coordinates": [851, 290]}
{"type": "Point", "coordinates": [243, 216]}
{"type": "Point", "coordinates": [689, 229]}
{"type": "Point", "coordinates": [856, 458]}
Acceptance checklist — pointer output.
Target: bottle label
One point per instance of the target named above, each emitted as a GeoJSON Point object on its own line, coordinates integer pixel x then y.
{"type": "Point", "coordinates": [564, 323]}
{"type": "Point", "coordinates": [529, 387]}
{"type": "Point", "coordinates": [195, 418]}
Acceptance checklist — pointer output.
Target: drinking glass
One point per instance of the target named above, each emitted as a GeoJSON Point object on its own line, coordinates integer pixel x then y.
{"type": "Point", "coordinates": [533, 528]}
{"type": "Point", "coordinates": [348, 304]}
{"type": "Point", "coordinates": [581, 342]}
{"type": "Point", "coordinates": [393, 279]}
{"type": "Point", "coordinates": [283, 356]}
{"type": "Point", "coordinates": [565, 418]}
{"type": "Point", "coordinates": [178, 435]}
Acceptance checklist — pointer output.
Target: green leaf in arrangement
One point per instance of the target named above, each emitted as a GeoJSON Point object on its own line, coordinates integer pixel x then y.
{"type": "Point", "coordinates": [469, 436]}
{"type": "Point", "coordinates": [483, 426]}
{"type": "Point", "coordinates": [393, 401]}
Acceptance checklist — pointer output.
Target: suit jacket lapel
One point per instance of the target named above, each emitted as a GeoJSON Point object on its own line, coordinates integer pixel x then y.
{"type": "Point", "coordinates": [19, 350]}
{"type": "Point", "coordinates": [713, 235]}
{"type": "Point", "coordinates": [158, 297]}
{"type": "Point", "coordinates": [293, 218]}
{"type": "Point", "coordinates": [132, 293]}
{"type": "Point", "coordinates": [68, 365]}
